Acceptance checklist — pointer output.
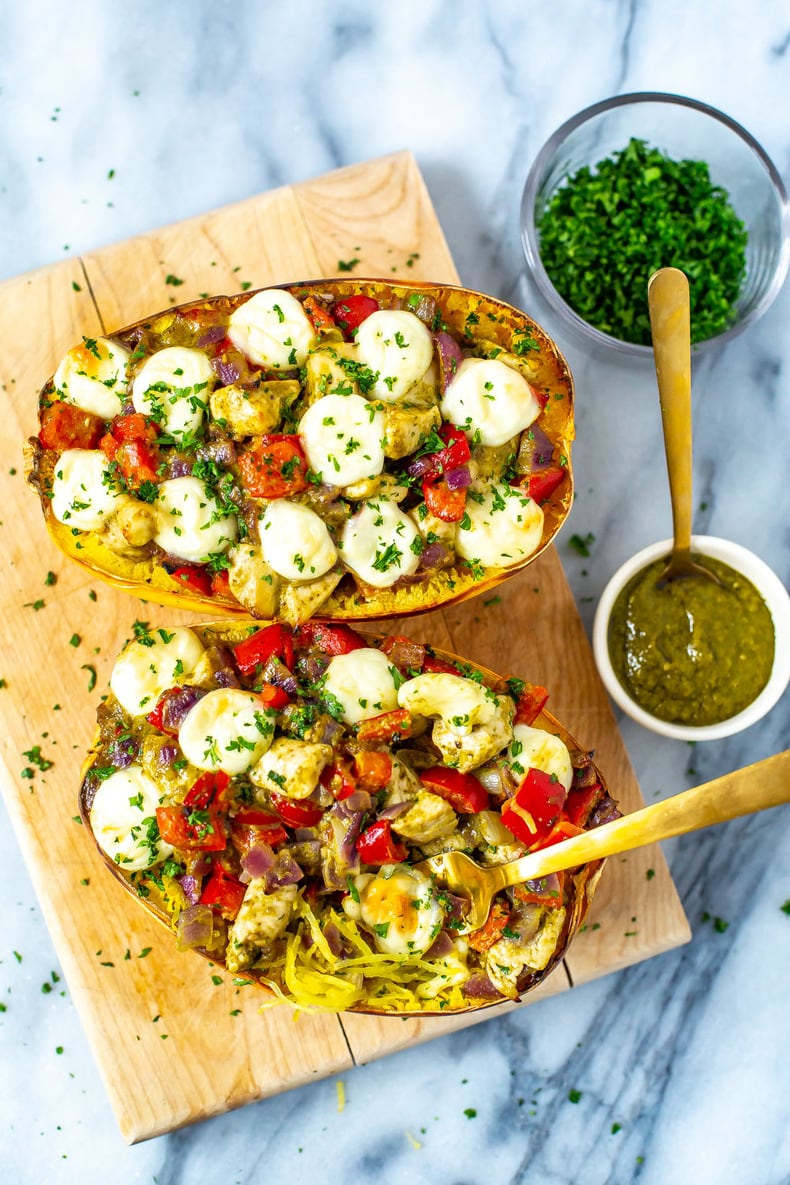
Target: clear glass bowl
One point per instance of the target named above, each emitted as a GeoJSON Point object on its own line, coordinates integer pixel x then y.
{"type": "Point", "coordinates": [683, 129]}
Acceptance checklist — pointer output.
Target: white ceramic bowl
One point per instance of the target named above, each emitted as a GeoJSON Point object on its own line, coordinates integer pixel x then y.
{"type": "Point", "coordinates": [773, 593]}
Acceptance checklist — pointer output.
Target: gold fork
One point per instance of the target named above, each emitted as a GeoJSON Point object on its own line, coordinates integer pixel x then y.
{"type": "Point", "coordinates": [743, 792]}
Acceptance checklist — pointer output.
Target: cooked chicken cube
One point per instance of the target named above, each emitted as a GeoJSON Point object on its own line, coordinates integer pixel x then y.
{"type": "Point", "coordinates": [536, 942]}
{"type": "Point", "coordinates": [253, 583]}
{"type": "Point", "coordinates": [407, 427]}
{"type": "Point", "coordinates": [244, 411]}
{"type": "Point", "coordinates": [429, 818]}
{"type": "Point", "coordinates": [291, 767]}
{"type": "Point", "coordinates": [262, 918]}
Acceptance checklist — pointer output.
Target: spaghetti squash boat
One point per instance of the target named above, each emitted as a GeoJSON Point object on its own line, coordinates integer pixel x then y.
{"type": "Point", "coordinates": [268, 794]}
{"type": "Point", "coordinates": [347, 449]}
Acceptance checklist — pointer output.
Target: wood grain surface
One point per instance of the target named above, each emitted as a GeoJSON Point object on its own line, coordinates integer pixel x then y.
{"type": "Point", "coordinates": [156, 1018]}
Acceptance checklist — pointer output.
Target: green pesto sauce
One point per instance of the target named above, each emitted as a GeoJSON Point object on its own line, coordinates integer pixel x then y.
{"type": "Point", "coordinates": [691, 652]}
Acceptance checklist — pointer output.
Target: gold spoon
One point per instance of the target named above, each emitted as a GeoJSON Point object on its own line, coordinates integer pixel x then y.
{"type": "Point", "coordinates": [670, 324]}
{"type": "Point", "coordinates": [744, 792]}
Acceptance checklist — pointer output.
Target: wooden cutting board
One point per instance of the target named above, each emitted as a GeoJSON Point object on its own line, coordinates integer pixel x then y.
{"type": "Point", "coordinates": [175, 1039]}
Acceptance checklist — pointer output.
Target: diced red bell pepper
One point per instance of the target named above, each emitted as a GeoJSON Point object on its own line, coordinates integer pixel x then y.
{"type": "Point", "coordinates": [444, 503]}
{"type": "Point", "coordinates": [376, 845]}
{"type": "Point", "coordinates": [274, 467]}
{"type": "Point", "coordinates": [251, 826]}
{"type": "Point", "coordinates": [154, 717]}
{"type": "Point", "coordinates": [580, 802]}
{"type": "Point", "coordinates": [192, 829]}
{"type": "Point", "coordinates": [137, 462]}
{"type": "Point", "coordinates": [388, 726]}
{"type": "Point", "coordinates": [198, 579]}
{"type": "Point", "coordinates": [224, 893]}
{"type": "Point", "coordinates": [541, 485]}
{"type": "Point", "coordinates": [561, 830]}
{"type": "Point", "coordinates": [437, 666]}
{"type": "Point", "coordinates": [65, 426]}
{"type": "Point", "coordinates": [295, 812]}
{"type": "Point", "coordinates": [337, 779]}
{"type": "Point", "coordinates": [532, 811]}
{"type": "Point", "coordinates": [272, 641]}
{"type": "Point", "coordinates": [320, 319]}
{"type": "Point", "coordinates": [134, 426]}
{"type": "Point", "coordinates": [273, 697]}
{"type": "Point", "coordinates": [207, 790]}
{"type": "Point", "coordinates": [348, 314]}
{"type": "Point", "coordinates": [531, 702]}
{"type": "Point", "coordinates": [463, 791]}
{"type": "Point", "coordinates": [491, 931]}
{"type": "Point", "coordinates": [455, 452]}
{"type": "Point", "coordinates": [373, 769]}
{"type": "Point", "coordinates": [330, 639]}
{"type": "Point", "coordinates": [220, 586]}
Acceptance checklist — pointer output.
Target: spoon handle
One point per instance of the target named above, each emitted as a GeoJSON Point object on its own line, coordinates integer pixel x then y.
{"type": "Point", "coordinates": [670, 323]}
{"type": "Point", "coordinates": [743, 792]}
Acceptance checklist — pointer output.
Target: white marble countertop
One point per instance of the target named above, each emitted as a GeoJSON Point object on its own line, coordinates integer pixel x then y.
{"type": "Point", "coordinates": [115, 119]}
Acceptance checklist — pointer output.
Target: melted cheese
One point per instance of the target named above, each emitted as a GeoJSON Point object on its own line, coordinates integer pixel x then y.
{"type": "Point", "coordinates": [504, 527]}
{"type": "Point", "coordinates": [534, 748]}
{"type": "Point", "coordinates": [461, 703]}
{"type": "Point", "coordinates": [295, 541]}
{"type": "Point", "coordinates": [82, 494]}
{"type": "Point", "coordinates": [272, 329]}
{"type": "Point", "coordinates": [190, 522]}
{"type": "Point", "coordinates": [227, 729]}
{"type": "Point", "coordinates": [399, 906]}
{"type": "Point", "coordinates": [363, 683]}
{"type": "Point", "coordinates": [380, 543]}
{"type": "Point", "coordinates": [396, 345]}
{"type": "Point", "coordinates": [490, 400]}
{"type": "Point", "coordinates": [142, 672]}
{"type": "Point", "coordinates": [93, 376]}
{"type": "Point", "coordinates": [172, 387]}
{"type": "Point", "coordinates": [122, 804]}
{"type": "Point", "coordinates": [343, 438]}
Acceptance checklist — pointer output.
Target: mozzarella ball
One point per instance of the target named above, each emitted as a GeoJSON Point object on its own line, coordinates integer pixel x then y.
{"type": "Point", "coordinates": [534, 748]}
{"type": "Point", "coordinates": [146, 668]}
{"type": "Point", "coordinates": [83, 495]}
{"type": "Point", "coordinates": [502, 527]}
{"type": "Point", "coordinates": [363, 683]}
{"type": "Point", "coordinates": [381, 543]}
{"type": "Point", "coordinates": [228, 729]}
{"type": "Point", "coordinates": [490, 400]}
{"type": "Point", "coordinates": [343, 438]}
{"type": "Point", "coordinates": [295, 541]}
{"type": "Point", "coordinates": [123, 803]}
{"type": "Point", "coordinates": [272, 329]}
{"type": "Point", "coordinates": [396, 345]}
{"type": "Point", "coordinates": [172, 387]}
{"type": "Point", "coordinates": [400, 908]}
{"type": "Point", "coordinates": [191, 524]}
{"type": "Point", "coordinates": [461, 703]}
{"type": "Point", "coordinates": [93, 376]}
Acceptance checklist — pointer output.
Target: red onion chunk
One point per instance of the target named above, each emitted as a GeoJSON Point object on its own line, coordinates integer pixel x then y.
{"type": "Point", "coordinates": [190, 887]}
{"type": "Point", "coordinates": [166, 755]}
{"type": "Point", "coordinates": [421, 465]}
{"type": "Point", "coordinates": [396, 810]}
{"type": "Point", "coordinates": [194, 927]}
{"type": "Point", "coordinates": [441, 948]}
{"type": "Point", "coordinates": [450, 356]}
{"type": "Point", "coordinates": [480, 987]}
{"type": "Point", "coordinates": [458, 478]}
{"type": "Point", "coordinates": [545, 884]}
{"type": "Point", "coordinates": [179, 467]}
{"type": "Point", "coordinates": [226, 372]}
{"type": "Point", "coordinates": [220, 451]}
{"type": "Point", "coordinates": [542, 449]}
{"type": "Point", "coordinates": [123, 752]}
{"type": "Point", "coordinates": [424, 308]}
{"type": "Point", "coordinates": [258, 861]}
{"type": "Point", "coordinates": [211, 336]}
{"type": "Point", "coordinates": [433, 555]}
{"type": "Point", "coordinates": [177, 706]}
{"type": "Point", "coordinates": [284, 871]}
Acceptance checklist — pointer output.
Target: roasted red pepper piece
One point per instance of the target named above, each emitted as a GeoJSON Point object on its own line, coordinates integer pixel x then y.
{"type": "Point", "coordinates": [349, 314]}
{"type": "Point", "coordinates": [373, 769]}
{"type": "Point", "coordinates": [491, 931]}
{"type": "Point", "coordinates": [534, 808]}
{"type": "Point", "coordinates": [336, 778]}
{"type": "Point", "coordinates": [455, 452]}
{"type": "Point", "coordinates": [220, 586]}
{"type": "Point", "coordinates": [65, 426]}
{"type": "Point", "coordinates": [386, 727]}
{"type": "Point", "coordinates": [207, 790]}
{"type": "Point", "coordinates": [444, 503]}
{"type": "Point", "coordinates": [580, 802]}
{"type": "Point", "coordinates": [197, 579]}
{"type": "Point", "coordinates": [463, 791]}
{"type": "Point", "coordinates": [531, 701]}
{"type": "Point", "coordinates": [273, 697]}
{"type": "Point", "coordinates": [320, 319]}
{"type": "Point", "coordinates": [377, 846]}
{"type": "Point", "coordinates": [540, 893]}
{"type": "Point", "coordinates": [541, 485]}
{"type": "Point", "coordinates": [437, 666]}
{"type": "Point", "coordinates": [191, 828]}
{"type": "Point", "coordinates": [295, 812]}
{"type": "Point", "coordinates": [272, 641]}
{"type": "Point", "coordinates": [250, 826]}
{"type": "Point", "coordinates": [224, 893]}
{"type": "Point", "coordinates": [330, 639]}
{"type": "Point", "coordinates": [562, 829]}
{"type": "Point", "coordinates": [274, 467]}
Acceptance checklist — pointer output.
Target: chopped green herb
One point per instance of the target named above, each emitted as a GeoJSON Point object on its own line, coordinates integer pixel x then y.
{"type": "Point", "coordinates": [582, 543]}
